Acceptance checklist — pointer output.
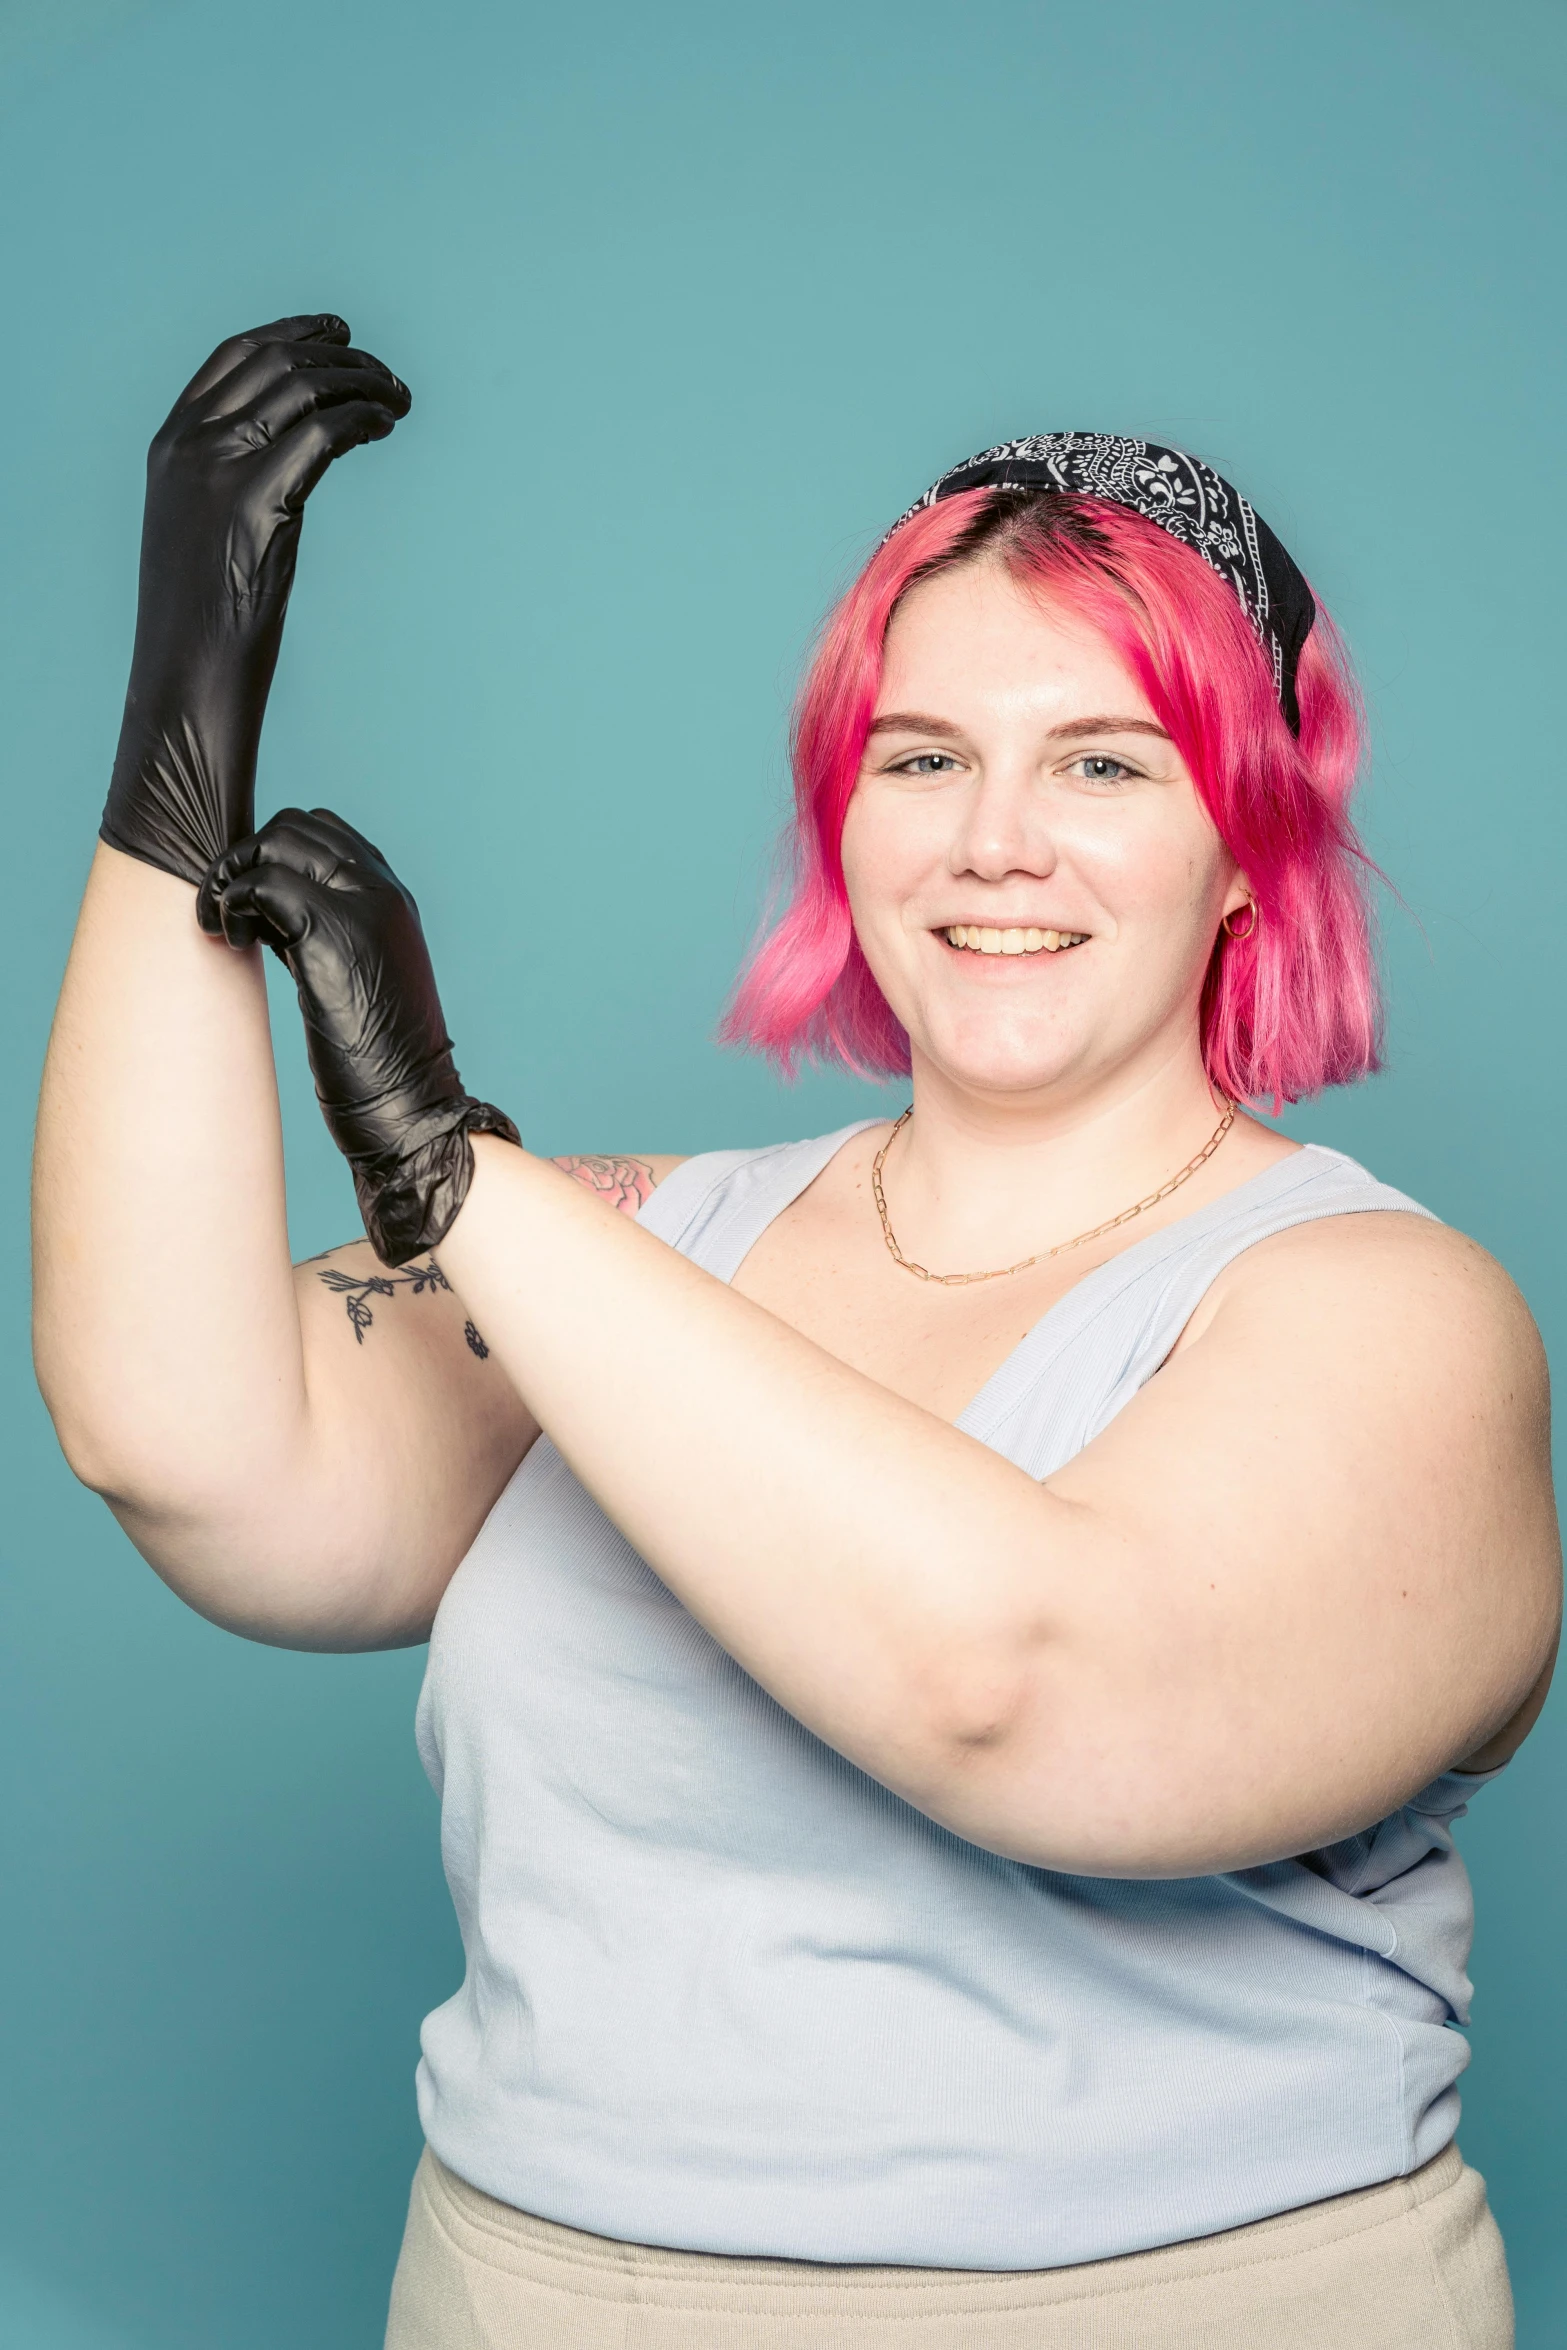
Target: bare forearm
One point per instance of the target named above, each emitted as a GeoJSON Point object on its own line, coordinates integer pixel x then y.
{"type": "Point", "coordinates": [880, 1573]}
{"type": "Point", "coordinates": [166, 1332]}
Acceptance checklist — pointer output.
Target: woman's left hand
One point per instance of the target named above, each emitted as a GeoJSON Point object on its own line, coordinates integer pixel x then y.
{"type": "Point", "coordinates": [227, 479]}
{"type": "Point", "coordinates": [326, 901]}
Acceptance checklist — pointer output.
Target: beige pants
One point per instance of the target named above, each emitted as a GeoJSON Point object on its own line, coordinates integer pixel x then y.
{"type": "Point", "coordinates": [1413, 2265]}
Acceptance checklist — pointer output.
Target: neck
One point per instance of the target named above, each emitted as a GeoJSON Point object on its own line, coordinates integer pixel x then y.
{"type": "Point", "coordinates": [977, 1177]}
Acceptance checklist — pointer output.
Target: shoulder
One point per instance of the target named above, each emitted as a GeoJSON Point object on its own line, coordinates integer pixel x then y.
{"type": "Point", "coordinates": [621, 1180]}
{"type": "Point", "coordinates": [1407, 1354]}
{"type": "Point", "coordinates": [1417, 1299]}
{"type": "Point", "coordinates": [1406, 1257]}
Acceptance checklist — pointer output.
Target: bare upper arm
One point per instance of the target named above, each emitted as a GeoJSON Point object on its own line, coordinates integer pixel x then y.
{"type": "Point", "coordinates": [415, 1432]}
{"type": "Point", "coordinates": [411, 1431]}
{"type": "Point", "coordinates": [1330, 1535]}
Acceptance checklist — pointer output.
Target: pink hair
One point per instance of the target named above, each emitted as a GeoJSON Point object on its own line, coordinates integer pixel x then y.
{"type": "Point", "coordinates": [1285, 1010]}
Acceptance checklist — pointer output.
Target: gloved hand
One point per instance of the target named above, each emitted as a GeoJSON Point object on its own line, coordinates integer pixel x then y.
{"type": "Point", "coordinates": [322, 898]}
{"type": "Point", "coordinates": [227, 479]}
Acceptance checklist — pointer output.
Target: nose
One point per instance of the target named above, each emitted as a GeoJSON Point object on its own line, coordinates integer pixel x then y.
{"type": "Point", "coordinates": [1004, 828]}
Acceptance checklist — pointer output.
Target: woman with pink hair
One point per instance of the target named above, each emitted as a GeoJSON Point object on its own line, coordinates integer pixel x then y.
{"type": "Point", "coordinates": [956, 1645]}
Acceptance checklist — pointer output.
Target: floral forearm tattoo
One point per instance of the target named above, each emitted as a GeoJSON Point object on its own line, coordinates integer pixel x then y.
{"type": "Point", "coordinates": [357, 1289]}
{"type": "Point", "coordinates": [623, 1183]}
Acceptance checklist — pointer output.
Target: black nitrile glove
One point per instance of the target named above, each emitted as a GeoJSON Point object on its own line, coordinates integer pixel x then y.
{"type": "Point", "coordinates": [227, 480]}
{"type": "Point", "coordinates": [319, 895]}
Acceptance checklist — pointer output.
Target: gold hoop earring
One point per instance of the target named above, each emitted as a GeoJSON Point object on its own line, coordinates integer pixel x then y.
{"type": "Point", "coordinates": [1240, 936]}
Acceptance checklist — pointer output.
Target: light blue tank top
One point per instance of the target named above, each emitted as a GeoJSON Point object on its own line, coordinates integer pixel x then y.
{"type": "Point", "coordinates": [726, 1993]}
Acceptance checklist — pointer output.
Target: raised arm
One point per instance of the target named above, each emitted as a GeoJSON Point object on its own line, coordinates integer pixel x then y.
{"type": "Point", "coordinates": [295, 1473]}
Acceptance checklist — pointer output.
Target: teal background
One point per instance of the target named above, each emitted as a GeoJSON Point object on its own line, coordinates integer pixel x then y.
{"type": "Point", "coordinates": [692, 299]}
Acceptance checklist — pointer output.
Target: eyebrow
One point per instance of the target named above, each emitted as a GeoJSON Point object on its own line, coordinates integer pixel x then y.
{"type": "Point", "coordinates": [921, 722]}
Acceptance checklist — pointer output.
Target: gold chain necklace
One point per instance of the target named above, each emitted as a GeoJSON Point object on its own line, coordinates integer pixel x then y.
{"type": "Point", "coordinates": [959, 1280]}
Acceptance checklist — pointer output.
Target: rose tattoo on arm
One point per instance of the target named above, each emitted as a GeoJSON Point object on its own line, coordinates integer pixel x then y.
{"type": "Point", "coordinates": [621, 1183]}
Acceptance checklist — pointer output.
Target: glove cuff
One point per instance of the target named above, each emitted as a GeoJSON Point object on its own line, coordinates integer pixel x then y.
{"type": "Point", "coordinates": [410, 1206]}
{"type": "Point", "coordinates": [181, 791]}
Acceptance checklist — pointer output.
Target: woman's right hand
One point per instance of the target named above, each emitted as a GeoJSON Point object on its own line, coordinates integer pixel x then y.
{"type": "Point", "coordinates": [227, 479]}
{"type": "Point", "coordinates": [325, 899]}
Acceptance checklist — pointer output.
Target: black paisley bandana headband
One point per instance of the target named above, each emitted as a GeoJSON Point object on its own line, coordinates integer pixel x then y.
{"type": "Point", "coordinates": [1184, 497]}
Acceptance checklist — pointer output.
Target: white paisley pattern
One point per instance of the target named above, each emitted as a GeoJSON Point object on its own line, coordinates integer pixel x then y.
{"type": "Point", "coordinates": [1183, 496]}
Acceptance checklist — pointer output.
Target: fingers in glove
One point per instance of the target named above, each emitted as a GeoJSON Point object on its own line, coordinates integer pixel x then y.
{"type": "Point", "coordinates": [279, 841]}
{"type": "Point", "coordinates": [335, 834]}
{"type": "Point", "coordinates": [304, 454]}
{"type": "Point", "coordinates": [259, 888]}
{"type": "Point", "coordinates": [261, 371]}
{"type": "Point", "coordinates": [314, 842]}
{"type": "Point", "coordinates": [316, 846]}
{"type": "Point", "coordinates": [330, 850]}
{"type": "Point", "coordinates": [268, 905]}
{"type": "Point", "coordinates": [235, 860]}
{"type": "Point", "coordinates": [311, 326]}
{"type": "Point", "coordinates": [279, 408]}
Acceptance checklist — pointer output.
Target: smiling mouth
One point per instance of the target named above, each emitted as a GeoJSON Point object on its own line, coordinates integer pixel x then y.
{"type": "Point", "coordinates": [1011, 942]}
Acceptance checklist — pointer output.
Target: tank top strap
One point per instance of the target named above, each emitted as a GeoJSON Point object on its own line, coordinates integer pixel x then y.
{"type": "Point", "coordinates": [715, 1207]}
{"type": "Point", "coordinates": [1086, 1358]}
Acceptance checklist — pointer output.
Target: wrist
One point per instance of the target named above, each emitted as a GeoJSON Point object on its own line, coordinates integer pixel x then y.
{"type": "Point", "coordinates": [410, 1204]}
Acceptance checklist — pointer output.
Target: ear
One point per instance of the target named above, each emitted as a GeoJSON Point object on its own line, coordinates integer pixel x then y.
{"type": "Point", "coordinates": [1240, 893]}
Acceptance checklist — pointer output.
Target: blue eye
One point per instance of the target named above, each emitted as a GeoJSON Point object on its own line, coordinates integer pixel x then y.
{"type": "Point", "coordinates": [928, 763]}
{"type": "Point", "coordinates": [1096, 768]}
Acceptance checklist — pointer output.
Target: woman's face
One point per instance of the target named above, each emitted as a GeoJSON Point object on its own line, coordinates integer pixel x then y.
{"type": "Point", "coordinates": [1017, 791]}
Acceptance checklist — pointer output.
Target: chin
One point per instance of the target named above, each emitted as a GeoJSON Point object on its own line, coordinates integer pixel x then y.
{"type": "Point", "coordinates": [1013, 1078]}
{"type": "Point", "coordinates": [992, 1062]}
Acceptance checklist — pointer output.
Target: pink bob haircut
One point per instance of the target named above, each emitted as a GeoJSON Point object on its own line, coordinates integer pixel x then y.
{"type": "Point", "coordinates": [1287, 1009]}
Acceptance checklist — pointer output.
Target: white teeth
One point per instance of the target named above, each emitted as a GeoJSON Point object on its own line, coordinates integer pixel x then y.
{"type": "Point", "coordinates": [1012, 942]}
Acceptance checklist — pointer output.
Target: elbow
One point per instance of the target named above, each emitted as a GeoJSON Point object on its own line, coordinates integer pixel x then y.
{"type": "Point", "coordinates": [160, 1446]}
{"type": "Point", "coordinates": [981, 1717]}
{"type": "Point", "coordinates": [135, 1484]}
{"type": "Point", "coordinates": [90, 1454]}
{"type": "Point", "coordinates": [253, 1547]}
{"type": "Point", "coordinates": [145, 1468]}
{"type": "Point", "coordinates": [101, 1451]}
{"type": "Point", "coordinates": [83, 1421]}
{"type": "Point", "coordinates": [981, 1725]}
{"type": "Point", "coordinates": [1026, 1763]}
